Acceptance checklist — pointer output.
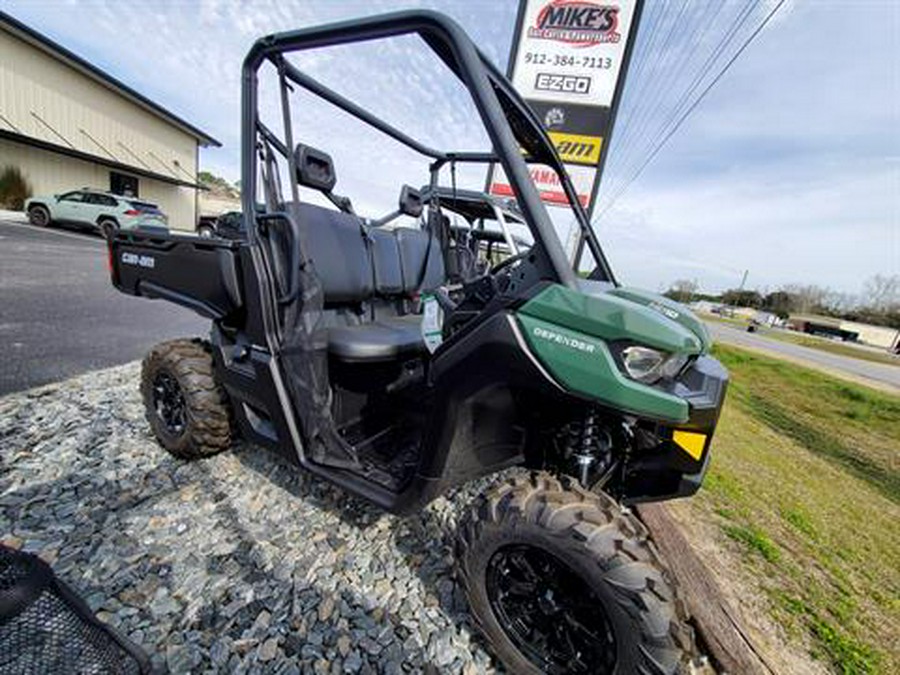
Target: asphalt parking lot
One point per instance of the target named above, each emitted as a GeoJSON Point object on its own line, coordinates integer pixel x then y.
{"type": "Point", "coordinates": [59, 314]}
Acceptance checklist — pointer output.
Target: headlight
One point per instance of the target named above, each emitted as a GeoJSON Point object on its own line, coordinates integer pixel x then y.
{"type": "Point", "coordinates": [648, 365]}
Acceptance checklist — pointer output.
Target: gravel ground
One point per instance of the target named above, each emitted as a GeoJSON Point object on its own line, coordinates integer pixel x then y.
{"type": "Point", "coordinates": [237, 563]}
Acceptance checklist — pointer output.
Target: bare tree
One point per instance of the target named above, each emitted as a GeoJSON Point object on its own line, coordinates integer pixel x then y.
{"type": "Point", "coordinates": [882, 292]}
{"type": "Point", "coordinates": [683, 290]}
{"type": "Point", "coordinates": [807, 298]}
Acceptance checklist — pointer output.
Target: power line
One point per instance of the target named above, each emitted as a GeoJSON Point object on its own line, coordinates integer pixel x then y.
{"type": "Point", "coordinates": [627, 145]}
{"type": "Point", "coordinates": [624, 158]}
{"type": "Point", "coordinates": [693, 107]}
{"type": "Point", "coordinates": [641, 67]}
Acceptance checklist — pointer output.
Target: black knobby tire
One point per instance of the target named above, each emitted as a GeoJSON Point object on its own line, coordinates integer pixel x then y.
{"type": "Point", "coordinates": [599, 552]}
{"type": "Point", "coordinates": [39, 216]}
{"type": "Point", "coordinates": [187, 410]}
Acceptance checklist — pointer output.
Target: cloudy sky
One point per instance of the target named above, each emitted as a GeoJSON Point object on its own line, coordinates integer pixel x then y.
{"type": "Point", "coordinates": [790, 167]}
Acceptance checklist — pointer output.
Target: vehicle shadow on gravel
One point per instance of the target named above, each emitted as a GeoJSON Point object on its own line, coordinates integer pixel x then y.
{"type": "Point", "coordinates": [425, 539]}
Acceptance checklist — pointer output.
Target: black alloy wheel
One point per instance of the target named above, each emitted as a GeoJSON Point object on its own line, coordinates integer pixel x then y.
{"type": "Point", "coordinates": [168, 401]}
{"type": "Point", "coordinates": [563, 580]}
{"type": "Point", "coordinates": [187, 409]}
{"type": "Point", "coordinates": [550, 613]}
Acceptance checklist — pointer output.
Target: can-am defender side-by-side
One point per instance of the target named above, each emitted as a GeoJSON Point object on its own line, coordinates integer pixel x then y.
{"type": "Point", "coordinates": [400, 362]}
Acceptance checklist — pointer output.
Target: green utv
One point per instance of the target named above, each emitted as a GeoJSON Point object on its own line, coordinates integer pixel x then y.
{"type": "Point", "coordinates": [400, 362]}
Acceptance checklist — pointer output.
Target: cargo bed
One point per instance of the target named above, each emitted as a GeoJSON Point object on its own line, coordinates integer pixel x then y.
{"type": "Point", "coordinates": [198, 273]}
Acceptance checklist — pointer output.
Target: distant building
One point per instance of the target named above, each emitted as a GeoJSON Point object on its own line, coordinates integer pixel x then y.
{"type": "Point", "coordinates": [848, 331]}
{"type": "Point", "coordinates": [706, 307]}
{"type": "Point", "coordinates": [877, 336]}
{"type": "Point", "coordinates": [743, 312]}
{"type": "Point", "coordinates": [66, 124]}
{"type": "Point", "coordinates": [767, 318]}
{"type": "Point", "coordinates": [215, 205]}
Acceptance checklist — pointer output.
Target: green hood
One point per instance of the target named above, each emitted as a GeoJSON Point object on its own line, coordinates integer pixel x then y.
{"type": "Point", "coordinates": [674, 311]}
{"type": "Point", "coordinates": [612, 313]}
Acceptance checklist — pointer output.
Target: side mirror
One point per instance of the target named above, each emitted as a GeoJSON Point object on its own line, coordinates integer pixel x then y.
{"type": "Point", "coordinates": [314, 168]}
{"type": "Point", "coordinates": [410, 201]}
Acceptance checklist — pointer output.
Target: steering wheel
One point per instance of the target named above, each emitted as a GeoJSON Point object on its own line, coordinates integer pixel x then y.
{"type": "Point", "coordinates": [511, 260]}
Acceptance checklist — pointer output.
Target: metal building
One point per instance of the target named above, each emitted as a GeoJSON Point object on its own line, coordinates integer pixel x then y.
{"type": "Point", "coordinates": [67, 125]}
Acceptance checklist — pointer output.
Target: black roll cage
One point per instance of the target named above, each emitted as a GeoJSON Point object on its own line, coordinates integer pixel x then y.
{"type": "Point", "coordinates": [509, 122]}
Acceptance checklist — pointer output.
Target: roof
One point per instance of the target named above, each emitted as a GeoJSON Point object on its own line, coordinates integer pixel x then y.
{"type": "Point", "coordinates": [56, 50]}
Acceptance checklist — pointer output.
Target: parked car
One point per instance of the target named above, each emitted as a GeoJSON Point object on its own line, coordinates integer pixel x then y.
{"type": "Point", "coordinates": [226, 225]}
{"type": "Point", "coordinates": [102, 212]}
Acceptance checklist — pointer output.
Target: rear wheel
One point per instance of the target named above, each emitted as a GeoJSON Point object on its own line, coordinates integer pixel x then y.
{"type": "Point", "coordinates": [39, 216]}
{"type": "Point", "coordinates": [561, 580]}
{"type": "Point", "coordinates": [186, 408]}
{"type": "Point", "coordinates": [205, 231]}
{"type": "Point", "coordinates": [108, 229]}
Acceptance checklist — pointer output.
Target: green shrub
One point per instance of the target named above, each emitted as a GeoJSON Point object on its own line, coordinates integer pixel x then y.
{"type": "Point", "coordinates": [14, 189]}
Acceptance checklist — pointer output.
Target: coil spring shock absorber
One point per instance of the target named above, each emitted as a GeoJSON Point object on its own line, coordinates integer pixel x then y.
{"type": "Point", "coordinates": [587, 447]}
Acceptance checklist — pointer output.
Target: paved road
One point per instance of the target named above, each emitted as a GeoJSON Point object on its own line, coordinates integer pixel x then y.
{"type": "Point", "coordinates": [60, 316]}
{"type": "Point", "coordinates": [877, 373]}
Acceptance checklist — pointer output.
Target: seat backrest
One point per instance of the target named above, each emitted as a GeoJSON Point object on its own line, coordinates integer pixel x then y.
{"type": "Point", "coordinates": [414, 256]}
{"type": "Point", "coordinates": [386, 261]}
{"type": "Point", "coordinates": [339, 252]}
{"type": "Point", "coordinates": [352, 270]}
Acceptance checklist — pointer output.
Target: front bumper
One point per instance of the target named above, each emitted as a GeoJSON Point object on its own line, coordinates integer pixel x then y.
{"type": "Point", "coordinates": [671, 461]}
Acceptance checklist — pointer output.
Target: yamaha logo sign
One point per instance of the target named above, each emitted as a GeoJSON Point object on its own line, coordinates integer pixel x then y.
{"type": "Point", "coordinates": [577, 23]}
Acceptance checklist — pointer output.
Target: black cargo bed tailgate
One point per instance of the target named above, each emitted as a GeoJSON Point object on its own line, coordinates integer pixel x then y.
{"type": "Point", "coordinates": [200, 274]}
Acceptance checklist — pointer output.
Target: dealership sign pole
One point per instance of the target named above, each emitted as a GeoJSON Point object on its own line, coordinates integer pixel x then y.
{"type": "Point", "coordinates": [569, 59]}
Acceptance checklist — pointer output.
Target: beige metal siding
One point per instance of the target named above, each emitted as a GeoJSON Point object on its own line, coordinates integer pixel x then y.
{"type": "Point", "coordinates": [51, 173]}
{"type": "Point", "coordinates": [211, 205]}
{"type": "Point", "coordinates": [79, 108]}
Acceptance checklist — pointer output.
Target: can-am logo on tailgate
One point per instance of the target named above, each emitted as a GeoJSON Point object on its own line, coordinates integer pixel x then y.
{"type": "Point", "coordinates": [139, 260]}
{"type": "Point", "coordinates": [577, 22]}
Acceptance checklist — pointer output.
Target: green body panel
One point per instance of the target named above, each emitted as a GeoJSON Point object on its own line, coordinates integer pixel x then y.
{"type": "Point", "coordinates": [583, 363]}
{"type": "Point", "coordinates": [673, 310]}
{"type": "Point", "coordinates": [611, 315]}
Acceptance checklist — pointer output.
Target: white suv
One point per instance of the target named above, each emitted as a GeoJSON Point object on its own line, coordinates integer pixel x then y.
{"type": "Point", "coordinates": [103, 212]}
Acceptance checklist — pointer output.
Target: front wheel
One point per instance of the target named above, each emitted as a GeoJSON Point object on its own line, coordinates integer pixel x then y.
{"type": "Point", "coordinates": [562, 580]}
{"type": "Point", "coordinates": [186, 408]}
{"type": "Point", "coordinates": [39, 216]}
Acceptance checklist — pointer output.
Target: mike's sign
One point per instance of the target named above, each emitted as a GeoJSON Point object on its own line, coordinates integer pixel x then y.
{"type": "Point", "coordinates": [569, 59]}
{"type": "Point", "coordinates": [578, 23]}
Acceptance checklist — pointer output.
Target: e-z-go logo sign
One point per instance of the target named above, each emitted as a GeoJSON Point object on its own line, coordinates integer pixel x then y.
{"type": "Point", "coordinates": [569, 84]}
{"type": "Point", "coordinates": [577, 22]}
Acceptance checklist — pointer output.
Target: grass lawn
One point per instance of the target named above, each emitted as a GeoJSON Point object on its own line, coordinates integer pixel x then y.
{"type": "Point", "coordinates": [804, 495]}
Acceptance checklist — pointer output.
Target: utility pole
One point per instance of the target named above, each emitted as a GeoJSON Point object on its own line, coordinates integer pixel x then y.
{"type": "Point", "coordinates": [744, 279]}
